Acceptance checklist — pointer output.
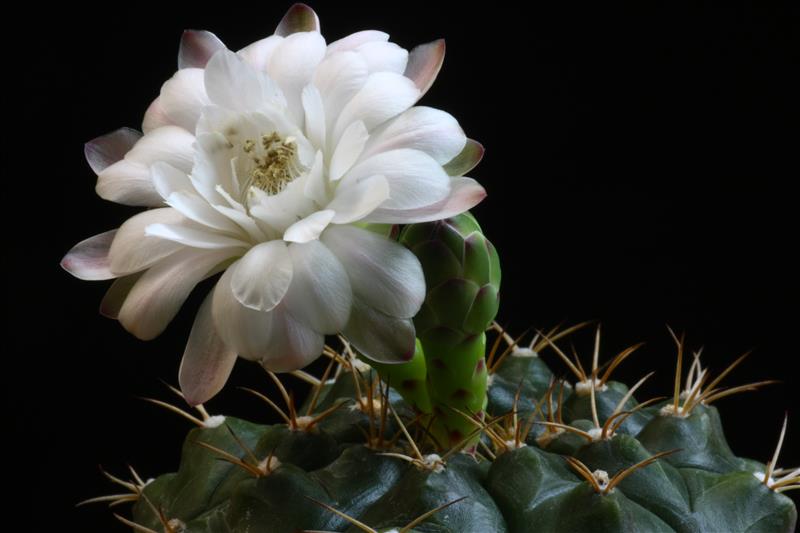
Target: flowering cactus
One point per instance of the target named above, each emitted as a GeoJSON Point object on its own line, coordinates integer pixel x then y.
{"type": "Point", "coordinates": [287, 168]}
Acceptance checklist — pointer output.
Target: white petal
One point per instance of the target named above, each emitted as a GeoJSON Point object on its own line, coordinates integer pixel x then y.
{"type": "Point", "coordinates": [354, 40]}
{"type": "Point", "coordinates": [348, 149]}
{"type": "Point", "coordinates": [258, 54]}
{"type": "Point", "coordinates": [132, 250]}
{"type": "Point", "coordinates": [243, 221]}
{"type": "Point", "coordinates": [197, 47]}
{"type": "Point", "coordinates": [314, 111]}
{"type": "Point", "coordinates": [465, 161]}
{"type": "Point", "coordinates": [383, 96]}
{"type": "Point", "coordinates": [424, 64]}
{"type": "Point", "coordinates": [194, 207]}
{"type": "Point", "coordinates": [168, 179]}
{"type": "Point", "coordinates": [207, 361]}
{"type": "Point", "coordinates": [383, 273]}
{"type": "Point", "coordinates": [170, 144]}
{"type": "Point", "coordinates": [293, 64]}
{"type": "Point", "coordinates": [88, 260]}
{"type": "Point", "coordinates": [158, 295]}
{"type": "Point", "coordinates": [193, 236]}
{"type": "Point", "coordinates": [183, 97]}
{"type": "Point", "coordinates": [355, 201]}
{"type": "Point", "coordinates": [115, 296]}
{"type": "Point", "coordinates": [317, 184]}
{"type": "Point", "coordinates": [420, 128]}
{"type": "Point", "coordinates": [293, 345]}
{"type": "Point", "coordinates": [232, 83]}
{"type": "Point", "coordinates": [320, 292]}
{"type": "Point", "coordinates": [414, 177]}
{"type": "Point", "coordinates": [380, 337]}
{"type": "Point", "coordinates": [212, 166]}
{"type": "Point", "coordinates": [299, 18]}
{"type": "Point", "coordinates": [310, 227]}
{"type": "Point", "coordinates": [262, 277]}
{"type": "Point", "coordinates": [155, 116]}
{"type": "Point", "coordinates": [106, 150]}
{"type": "Point", "coordinates": [128, 183]}
{"type": "Point", "coordinates": [465, 193]}
{"type": "Point", "coordinates": [384, 57]}
{"type": "Point", "coordinates": [338, 78]}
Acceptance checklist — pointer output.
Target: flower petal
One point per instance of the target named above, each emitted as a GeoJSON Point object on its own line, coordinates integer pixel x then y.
{"type": "Point", "coordinates": [383, 96]}
{"type": "Point", "coordinates": [465, 161]}
{"type": "Point", "coordinates": [106, 150]}
{"type": "Point", "coordinates": [128, 183]}
{"type": "Point", "coordinates": [429, 130]}
{"type": "Point", "coordinates": [380, 337]}
{"type": "Point", "coordinates": [194, 207]}
{"type": "Point", "coordinates": [230, 82]}
{"type": "Point", "coordinates": [414, 177]}
{"type": "Point", "coordinates": [157, 296]}
{"type": "Point", "coordinates": [300, 17]}
{"type": "Point", "coordinates": [262, 277]}
{"type": "Point", "coordinates": [258, 54]}
{"type": "Point", "coordinates": [354, 40]}
{"type": "Point", "coordinates": [316, 187]}
{"type": "Point", "coordinates": [183, 96]}
{"type": "Point", "coordinates": [320, 292]}
{"type": "Point", "coordinates": [116, 294]}
{"type": "Point", "coordinates": [197, 47]}
{"type": "Point", "coordinates": [383, 273]}
{"type": "Point", "coordinates": [465, 193]}
{"type": "Point", "coordinates": [348, 149]}
{"type": "Point", "coordinates": [88, 260]}
{"type": "Point", "coordinates": [170, 144]}
{"type": "Point", "coordinates": [339, 77]}
{"type": "Point", "coordinates": [355, 201]}
{"type": "Point", "coordinates": [132, 250]}
{"type": "Point", "coordinates": [314, 112]}
{"type": "Point", "coordinates": [194, 236]}
{"type": "Point", "coordinates": [155, 116]}
{"type": "Point", "coordinates": [168, 179]}
{"type": "Point", "coordinates": [310, 227]}
{"type": "Point", "coordinates": [384, 56]}
{"type": "Point", "coordinates": [275, 338]}
{"type": "Point", "coordinates": [424, 64]}
{"type": "Point", "coordinates": [207, 361]}
{"type": "Point", "coordinates": [293, 64]}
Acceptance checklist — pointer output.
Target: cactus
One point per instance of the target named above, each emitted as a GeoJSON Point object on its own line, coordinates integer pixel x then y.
{"type": "Point", "coordinates": [364, 452]}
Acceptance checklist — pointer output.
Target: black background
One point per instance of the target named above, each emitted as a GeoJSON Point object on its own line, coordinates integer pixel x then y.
{"type": "Point", "coordinates": [641, 167]}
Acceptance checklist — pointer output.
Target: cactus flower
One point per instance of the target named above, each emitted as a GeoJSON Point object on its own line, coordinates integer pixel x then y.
{"type": "Point", "coordinates": [270, 165]}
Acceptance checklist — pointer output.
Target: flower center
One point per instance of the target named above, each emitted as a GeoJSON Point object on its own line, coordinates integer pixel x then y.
{"type": "Point", "coordinates": [274, 160]}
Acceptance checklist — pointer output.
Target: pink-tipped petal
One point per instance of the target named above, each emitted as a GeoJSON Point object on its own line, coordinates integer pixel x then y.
{"type": "Point", "coordinates": [300, 17]}
{"type": "Point", "coordinates": [197, 47]}
{"type": "Point", "coordinates": [207, 361]}
{"type": "Point", "coordinates": [106, 150]}
{"type": "Point", "coordinates": [155, 117]}
{"type": "Point", "coordinates": [468, 159]}
{"type": "Point", "coordinates": [424, 63]}
{"type": "Point", "coordinates": [465, 193]}
{"type": "Point", "coordinates": [88, 260]}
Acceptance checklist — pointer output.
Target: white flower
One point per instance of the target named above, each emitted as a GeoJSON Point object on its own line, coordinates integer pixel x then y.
{"type": "Point", "coordinates": [268, 165]}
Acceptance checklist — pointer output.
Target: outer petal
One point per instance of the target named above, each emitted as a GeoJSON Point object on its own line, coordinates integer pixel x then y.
{"type": "Point", "coordinates": [320, 292]}
{"type": "Point", "coordinates": [383, 273]}
{"type": "Point", "coordinates": [233, 84]}
{"type": "Point", "coordinates": [384, 56]}
{"type": "Point", "coordinates": [106, 150]}
{"type": "Point", "coordinates": [420, 128]}
{"type": "Point", "coordinates": [207, 361]}
{"type": "Point", "coordinates": [158, 295]}
{"type": "Point", "coordinates": [465, 161]}
{"type": "Point", "coordinates": [275, 338]}
{"type": "Point", "coordinates": [310, 227]}
{"type": "Point", "coordinates": [414, 177]}
{"type": "Point", "coordinates": [168, 179]}
{"type": "Point", "coordinates": [183, 97]}
{"type": "Point", "coordinates": [115, 295]}
{"type": "Point", "coordinates": [354, 40]}
{"type": "Point", "coordinates": [424, 64]}
{"type": "Point", "coordinates": [258, 54]}
{"type": "Point", "coordinates": [380, 337]}
{"type": "Point", "coordinates": [262, 277]}
{"type": "Point", "coordinates": [299, 18]}
{"type": "Point", "coordinates": [193, 236]}
{"type": "Point", "coordinates": [132, 250]}
{"type": "Point", "coordinates": [197, 47]}
{"type": "Point", "coordinates": [155, 117]}
{"type": "Point", "coordinates": [293, 64]}
{"type": "Point", "coordinates": [355, 201]}
{"type": "Point", "coordinates": [383, 96]}
{"type": "Point", "coordinates": [88, 260]}
{"type": "Point", "coordinates": [465, 193]}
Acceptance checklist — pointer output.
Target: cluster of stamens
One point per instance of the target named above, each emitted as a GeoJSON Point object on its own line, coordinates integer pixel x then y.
{"type": "Point", "coordinates": [274, 163]}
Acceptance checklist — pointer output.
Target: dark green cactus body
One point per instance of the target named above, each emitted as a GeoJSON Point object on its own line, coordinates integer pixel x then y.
{"type": "Point", "coordinates": [701, 488]}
